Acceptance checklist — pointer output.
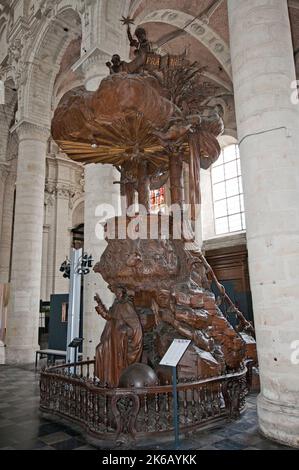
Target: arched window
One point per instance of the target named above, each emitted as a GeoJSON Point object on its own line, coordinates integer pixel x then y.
{"type": "Point", "coordinates": [228, 192]}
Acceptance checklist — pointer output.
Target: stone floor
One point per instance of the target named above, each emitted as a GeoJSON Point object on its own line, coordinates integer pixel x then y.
{"type": "Point", "coordinates": [22, 426]}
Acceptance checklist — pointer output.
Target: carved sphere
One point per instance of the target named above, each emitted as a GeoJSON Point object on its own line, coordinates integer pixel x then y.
{"type": "Point", "coordinates": [138, 376]}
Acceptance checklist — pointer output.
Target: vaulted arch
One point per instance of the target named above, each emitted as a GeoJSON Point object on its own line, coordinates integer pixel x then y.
{"type": "Point", "coordinates": [196, 28]}
{"type": "Point", "coordinates": [44, 64]}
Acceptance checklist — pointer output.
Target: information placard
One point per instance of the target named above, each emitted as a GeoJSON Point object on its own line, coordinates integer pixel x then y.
{"type": "Point", "coordinates": [175, 352]}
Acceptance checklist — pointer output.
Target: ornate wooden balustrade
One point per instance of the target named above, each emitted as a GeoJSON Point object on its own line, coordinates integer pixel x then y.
{"type": "Point", "coordinates": [112, 414]}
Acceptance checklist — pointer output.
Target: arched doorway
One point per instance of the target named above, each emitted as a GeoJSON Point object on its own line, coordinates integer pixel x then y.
{"type": "Point", "coordinates": [78, 236]}
{"type": "Point", "coordinates": [78, 226]}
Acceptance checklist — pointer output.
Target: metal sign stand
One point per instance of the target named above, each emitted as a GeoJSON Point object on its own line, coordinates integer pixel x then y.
{"type": "Point", "coordinates": [75, 344]}
{"type": "Point", "coordinates": [171, 358]}
{"type": "Point", "coordinates": [73, 270]}
{"type": "Point", "coordinates": [175, 409]}
{"type": "Point", "coordinates": [74, 303]}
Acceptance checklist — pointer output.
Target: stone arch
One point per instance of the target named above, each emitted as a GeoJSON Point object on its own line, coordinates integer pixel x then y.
{"type": "Point", "coordinates": [126, 6]}
{"type": "Point", "coordinates": [78, 213]}
{"type": "Point", "coordinates": [196, 28]}
{"type": "Point", "coordinates": [67, 78]}
{"type": "Point", "coordinates": [77, 220]}
{"type": "Point", "coordinates": [4, 16]}
{"type": "Point", "coordinates": [227, 139]}
{"type": "Point", "coordinates": [44, 61]}
{"type": "Point", "coordinates": [111, 10]}
{"type": "Point", "coordinates": [134, 5]}
{"type": "Point", "coordinates": [2, 25]}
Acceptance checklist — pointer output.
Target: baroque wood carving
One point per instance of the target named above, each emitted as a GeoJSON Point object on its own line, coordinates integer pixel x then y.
{"type": "Point", "coordinates": [148, 118]}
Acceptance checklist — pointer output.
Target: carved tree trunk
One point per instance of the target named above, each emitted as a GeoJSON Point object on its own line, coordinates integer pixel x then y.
{"type": "Point", "coordinates": [176, 180]}
{"type": "Point", "coordinates": [194, 186]}
{"type": "Point", "coordinates": [143, 185]}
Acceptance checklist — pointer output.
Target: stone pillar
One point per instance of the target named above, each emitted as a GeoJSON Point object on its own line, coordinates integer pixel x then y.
{"type": "Point", "coordinates": [99, 191]}
{"type": "Point", "coordinates": [63, 237]}
{"type": "Point", "coordinates": [44, 295]}
{"type": "Point", "coordinates": [23, 311]}
{"type": "Point", "coordinates": [3, 176]}
{"type": "Point", "coordinates": [207, 205]}
{"type": "Point", "coordinates": [263, 70]}
{"type": "Point", "coordinates": [6, 229]}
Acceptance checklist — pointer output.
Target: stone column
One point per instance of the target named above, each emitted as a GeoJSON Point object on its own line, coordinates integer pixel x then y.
{"type": "Point", "coordinates": [63, 237]}
{"type": "Point", "coordinates": [99, 191]}
{"type": "Point", "coordinates": [263, 70]}
{"type": "Point", "coordinates": [6, 229]}
{"type": "Point", "coordinates": [23, 311]}
{"type": "Point", "coordinates": [45, 260]}
{"type": "Point", "coordinates": [3, 176]}
{"type": "Point", "coordinates": [207, 206]}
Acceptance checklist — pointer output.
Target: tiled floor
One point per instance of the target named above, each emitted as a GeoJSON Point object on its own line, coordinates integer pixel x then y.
{"type": "Point", "coordinates": [23, 427]}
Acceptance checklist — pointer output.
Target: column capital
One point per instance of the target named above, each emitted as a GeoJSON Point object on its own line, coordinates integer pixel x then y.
{"type": "Point", "coordinates": [27, 130]}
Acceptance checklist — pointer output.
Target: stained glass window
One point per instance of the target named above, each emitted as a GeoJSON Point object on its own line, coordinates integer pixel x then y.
{"type": "Point", "coordinates": [158, 200]}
